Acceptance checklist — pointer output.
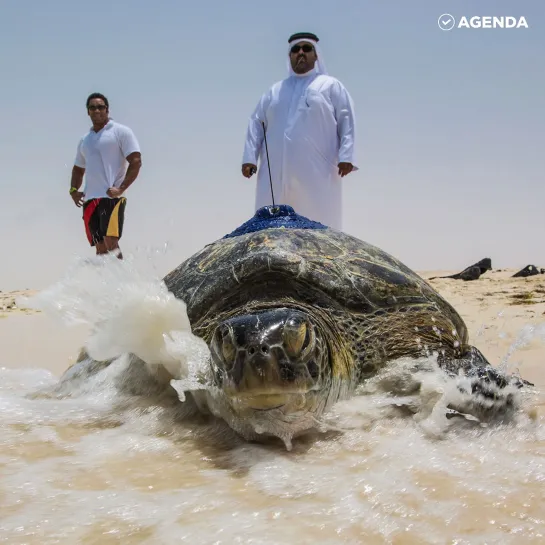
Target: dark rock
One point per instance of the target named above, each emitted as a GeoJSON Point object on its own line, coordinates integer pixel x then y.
{"type": "Point", "coordinates": [472, 272]}
{"type": "Point", "coordinates": [529, 270]}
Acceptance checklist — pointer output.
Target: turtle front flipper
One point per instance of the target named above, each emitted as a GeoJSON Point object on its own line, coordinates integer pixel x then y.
{"type": "Point", "coordinates": [485, 392]}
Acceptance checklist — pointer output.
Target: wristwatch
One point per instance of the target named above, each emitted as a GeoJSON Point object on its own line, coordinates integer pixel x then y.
{"type": "Point", "coordinates": [73, 190]}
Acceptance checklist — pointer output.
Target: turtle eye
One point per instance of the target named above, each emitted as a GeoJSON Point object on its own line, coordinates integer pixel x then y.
{"type": "Point", "coordinates": [228, 349]}
{"type": "Point", "coordinates": [224, 346]}
{"type": "Point", "coordinates": [296, 337]}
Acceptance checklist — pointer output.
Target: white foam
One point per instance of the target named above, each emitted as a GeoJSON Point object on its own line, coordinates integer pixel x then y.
{"type": "Point", "coordinates": [129, 311]}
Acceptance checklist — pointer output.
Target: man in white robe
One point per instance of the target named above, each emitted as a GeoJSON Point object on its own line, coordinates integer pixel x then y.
{"type": "Point", "coordinates": [310, 130]}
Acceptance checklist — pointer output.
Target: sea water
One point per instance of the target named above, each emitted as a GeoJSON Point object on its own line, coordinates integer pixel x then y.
{"type": "Point", "coordinates": [113, 466]}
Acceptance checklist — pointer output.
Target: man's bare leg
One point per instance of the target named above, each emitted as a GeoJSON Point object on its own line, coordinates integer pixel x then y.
{"type": "Point", "coordinates": [111, 244]}
{"type": "Point", "coordinates": [101, 248]}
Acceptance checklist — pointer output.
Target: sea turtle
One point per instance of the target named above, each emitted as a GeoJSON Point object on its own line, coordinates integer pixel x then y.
{"type": "Point", "coordinates": [296, 315]}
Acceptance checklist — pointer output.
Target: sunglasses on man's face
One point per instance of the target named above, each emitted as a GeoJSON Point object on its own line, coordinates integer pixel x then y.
{"type": "Point", "coordinates": [99, 107]}
{"type": "Point", "coordinates": [306, 48]}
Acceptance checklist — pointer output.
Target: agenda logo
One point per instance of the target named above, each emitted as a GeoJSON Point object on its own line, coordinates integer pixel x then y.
{"type": "Point", "coordinates": [448, 22]}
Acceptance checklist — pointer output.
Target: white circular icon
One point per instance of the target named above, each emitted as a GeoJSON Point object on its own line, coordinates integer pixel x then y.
{"type": "Point", "coordinates": [446, 21]}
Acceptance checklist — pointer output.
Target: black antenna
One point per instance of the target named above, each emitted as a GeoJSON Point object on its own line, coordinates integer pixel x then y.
{"type": "Point", "coordinates": [268, 163]}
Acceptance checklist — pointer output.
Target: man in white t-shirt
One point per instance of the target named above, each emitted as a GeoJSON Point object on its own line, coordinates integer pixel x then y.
{"type": "Point", "coordinates": [109, 156]}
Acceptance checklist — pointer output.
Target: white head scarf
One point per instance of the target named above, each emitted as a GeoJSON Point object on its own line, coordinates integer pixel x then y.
{"type": "Point", "coordinates": [319, 67]}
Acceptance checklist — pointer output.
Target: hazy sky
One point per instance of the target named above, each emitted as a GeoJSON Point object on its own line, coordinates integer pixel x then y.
{"type": "Point", "coordinates": [450, 125]}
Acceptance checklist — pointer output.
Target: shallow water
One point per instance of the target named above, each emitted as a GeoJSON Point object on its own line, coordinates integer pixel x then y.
{"type": "Point", "coordinates": [109, 467]}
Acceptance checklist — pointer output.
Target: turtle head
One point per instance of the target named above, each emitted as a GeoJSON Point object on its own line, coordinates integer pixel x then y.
{"type": "Point", "coordinates": [275, 359]}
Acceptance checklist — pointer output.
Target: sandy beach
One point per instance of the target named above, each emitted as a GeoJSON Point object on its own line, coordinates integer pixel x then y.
{"type": "Point", "coordinates": [31, 339]}
{"type": "Point", "coordinates": [499, 311]}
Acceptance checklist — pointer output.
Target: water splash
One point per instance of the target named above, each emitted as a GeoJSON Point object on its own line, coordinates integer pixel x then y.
{"type": "Point", "coordinates": [128, 311]}
{"type": "Point", "coordinates": [526, 335]}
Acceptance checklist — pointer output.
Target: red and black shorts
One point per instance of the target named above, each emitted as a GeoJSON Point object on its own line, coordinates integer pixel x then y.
{"type": "Point", "coordinates": [103, 218]}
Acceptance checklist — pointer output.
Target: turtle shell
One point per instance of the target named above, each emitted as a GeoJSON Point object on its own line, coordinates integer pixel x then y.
{"type": "Point", "coordinates": [315, 266]}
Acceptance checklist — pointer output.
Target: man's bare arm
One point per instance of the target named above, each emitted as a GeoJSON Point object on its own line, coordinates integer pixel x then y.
{"type": "Point", "coordinates": [77, 177]}
{"type": "Point", "coordinates": [75, 182]}
{"type": "Point", "coordinates": [135, 163]}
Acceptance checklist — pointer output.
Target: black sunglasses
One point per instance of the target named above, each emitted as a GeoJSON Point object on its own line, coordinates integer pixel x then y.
{"type": "Point", "coordinates": [306, 48]}
{"type": "Point", "coordinates": [98, 107]}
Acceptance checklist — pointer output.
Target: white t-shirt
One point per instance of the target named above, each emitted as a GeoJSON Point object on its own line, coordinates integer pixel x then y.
{"type": "Point", "coordinates": [103, 156]}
